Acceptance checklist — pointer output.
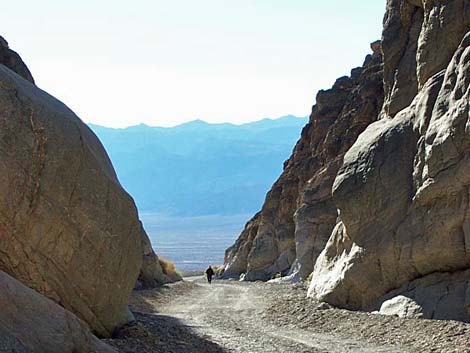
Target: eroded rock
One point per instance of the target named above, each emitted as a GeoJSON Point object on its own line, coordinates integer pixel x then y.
{"type": "Point", "coordinates": [292, 228]}
{"type": "Point", "coordinates": [403, 191]}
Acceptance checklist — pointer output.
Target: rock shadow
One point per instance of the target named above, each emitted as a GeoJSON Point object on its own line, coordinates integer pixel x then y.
{"type": "Point", "coordinates": [156, 333]}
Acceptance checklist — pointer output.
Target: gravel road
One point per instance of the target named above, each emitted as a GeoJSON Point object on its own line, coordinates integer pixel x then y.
{"type": "Point", "coordinates": [231, 316]}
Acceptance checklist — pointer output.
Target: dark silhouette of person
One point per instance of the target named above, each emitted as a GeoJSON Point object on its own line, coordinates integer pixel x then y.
{"type": "Point", "coordinates": [210, 273]}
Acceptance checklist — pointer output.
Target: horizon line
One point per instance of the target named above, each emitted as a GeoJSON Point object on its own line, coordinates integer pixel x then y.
{"type": "Point", "coordinates": [198, 120]}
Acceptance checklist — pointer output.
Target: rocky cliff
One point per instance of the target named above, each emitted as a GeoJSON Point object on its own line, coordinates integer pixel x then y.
{"type": "Point", "coordinates": [68, 230]}
{"type": "Point", "coordinates": [403, 190]}
{"type": "Point", "coordinates": [299, 214]}
{"type": "Point", "coordinates": [375, 198]}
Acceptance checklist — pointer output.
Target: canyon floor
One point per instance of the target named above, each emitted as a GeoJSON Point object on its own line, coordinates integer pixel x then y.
{"type": "Point", "coordinates": [230, 316]}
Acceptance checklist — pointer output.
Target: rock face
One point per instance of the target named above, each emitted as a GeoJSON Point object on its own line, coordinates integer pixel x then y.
{"type": "Point", "coordinates": [29, 322]}
{"type": "Point", "coordinates": [395, 233]}
{"type": "Point", "coordinates": [67, 228]}
{"type": "Point", "coordinates": [298, 215]}
{"type": "Point", "coordinates": [13, 61]}
{"type": "Point", "coordinates": [403, 190]}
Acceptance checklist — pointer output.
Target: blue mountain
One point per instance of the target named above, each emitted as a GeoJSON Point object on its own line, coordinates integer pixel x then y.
{"type": "Point", "coordinates": [199, 168]}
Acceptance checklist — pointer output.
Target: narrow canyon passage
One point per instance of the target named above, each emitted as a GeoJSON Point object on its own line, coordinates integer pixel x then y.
{"type": "Point", "coordinates": [230, 316]}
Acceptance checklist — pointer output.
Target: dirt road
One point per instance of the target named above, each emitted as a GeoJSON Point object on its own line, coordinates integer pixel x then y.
{"type": "Point", "coordinates": [230, 315]}
{"type": "Point", "coordinates": [240, 317]}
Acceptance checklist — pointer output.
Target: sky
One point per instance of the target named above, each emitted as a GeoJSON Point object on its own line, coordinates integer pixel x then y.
{"type": "Point", "coordinates": [164, 62]}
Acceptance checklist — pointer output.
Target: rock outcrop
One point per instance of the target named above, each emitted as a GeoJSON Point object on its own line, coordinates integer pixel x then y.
{"type": "Point", "coordinates": [67, 228]}
{"type": "Point", "coordinates": [404, 188]}
{"type": "Point", "coordinates": [29, 322]}
{"type": "Point", "coordinates": [13, 61]}
{"type": "Point", "coordinates": [298, 215]}
{"type": "Point", "coordinates": [393, 228]}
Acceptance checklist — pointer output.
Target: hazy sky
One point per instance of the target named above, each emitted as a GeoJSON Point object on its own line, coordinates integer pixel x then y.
{"type": "Point", "coordinates": [163, 62]}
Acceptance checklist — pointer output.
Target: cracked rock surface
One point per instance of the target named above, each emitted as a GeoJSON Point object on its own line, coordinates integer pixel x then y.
{"type": "Point", "coordinates": [410, 174]}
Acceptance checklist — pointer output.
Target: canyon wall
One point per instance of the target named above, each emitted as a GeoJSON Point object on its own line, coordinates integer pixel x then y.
{"type": "Point", "coordinates": [403, 190]}
{"type": "Point", "coordinates": [298, 215]}
{"type": "Point", "coordinates": [68, 230]}
{"type": "Point", "coordinates": [375, 198]}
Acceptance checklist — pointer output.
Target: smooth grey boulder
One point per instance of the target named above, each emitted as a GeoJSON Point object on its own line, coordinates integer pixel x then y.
{"type": "Point", "coordinates": [31, 323]}
{"type": "Point", "coordinates": [441, 296]}
{"type": "Point", "coordinates": [401, 306]}
{"type": "Point", "coordinates": [67, 227]}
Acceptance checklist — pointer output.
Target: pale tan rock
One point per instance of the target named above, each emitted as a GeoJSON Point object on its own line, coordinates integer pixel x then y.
{"type": "Point", "coordinates": [418, 41]}
{"type": "Point", "coordinates": [67, 227]}
{"type": "Point", "coordinates": [401, 306]}
{"type": "Point", "coordinates": [29, 322]}
{"type": "Point", "coordinates": [403, 194]}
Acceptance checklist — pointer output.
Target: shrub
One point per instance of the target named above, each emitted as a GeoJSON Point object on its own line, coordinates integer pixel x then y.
{"type": "Point", "coordinates": [168, 267]}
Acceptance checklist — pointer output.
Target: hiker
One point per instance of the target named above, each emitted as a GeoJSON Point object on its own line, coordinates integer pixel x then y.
{"type": "Point", "coordinates": [209, 273]}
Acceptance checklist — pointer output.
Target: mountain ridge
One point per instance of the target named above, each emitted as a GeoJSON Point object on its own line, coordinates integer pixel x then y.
{"type": "Point", "coordinates": [227, 167]}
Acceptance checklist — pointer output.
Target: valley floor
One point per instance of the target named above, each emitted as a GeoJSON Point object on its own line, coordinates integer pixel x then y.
{"type": "Point", "coordinates": [230, 316]}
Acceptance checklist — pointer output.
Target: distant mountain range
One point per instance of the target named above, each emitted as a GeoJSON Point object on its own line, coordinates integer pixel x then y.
{"type": "Point", "coordinates": [199, 168]}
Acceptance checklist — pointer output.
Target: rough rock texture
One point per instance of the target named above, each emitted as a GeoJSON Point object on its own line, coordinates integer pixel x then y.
{"type": "Point", "coordinates": [29, 322]}
{"type": "Point", "coordinates": [419, 39]}
{"type": "Point", "coordinates": [67, 228]}
{"type": "Point", "coordinates": [409, 173]}
{"type": "Point", "coordinates": [298, 214]}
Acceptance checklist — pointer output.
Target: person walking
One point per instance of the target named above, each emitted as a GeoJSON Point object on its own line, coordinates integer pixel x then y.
{"type": "Point", "coordinates": [209, 274]}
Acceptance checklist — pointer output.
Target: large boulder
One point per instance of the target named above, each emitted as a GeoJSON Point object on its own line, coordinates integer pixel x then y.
{"type": "Point", "coordinates": [31, 323]}
{"type": "Point", "coordinates": [67, 227]}
{"type": "Point", "coordinates": [298, 215]}
{"type": "Point", "coordinates": [403, 191]}
{"type": "Point", "coordinates": [441, 296]}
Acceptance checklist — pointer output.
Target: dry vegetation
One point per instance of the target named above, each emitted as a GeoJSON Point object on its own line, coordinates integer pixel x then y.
{"type": "Point", "coordinates": [168, 268]}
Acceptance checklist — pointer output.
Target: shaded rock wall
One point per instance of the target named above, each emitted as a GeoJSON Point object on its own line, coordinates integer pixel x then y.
{"type": "Point", "coordinates": [67, 228]}
{"type": "Point", "coordinates": [13, 61]}
{"type": "Point", "coordinates": [29, 322]}
{"type": "Point", "coordinates": [410, 174]}
{"type": "Point", "coordinates": [298, 214]}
